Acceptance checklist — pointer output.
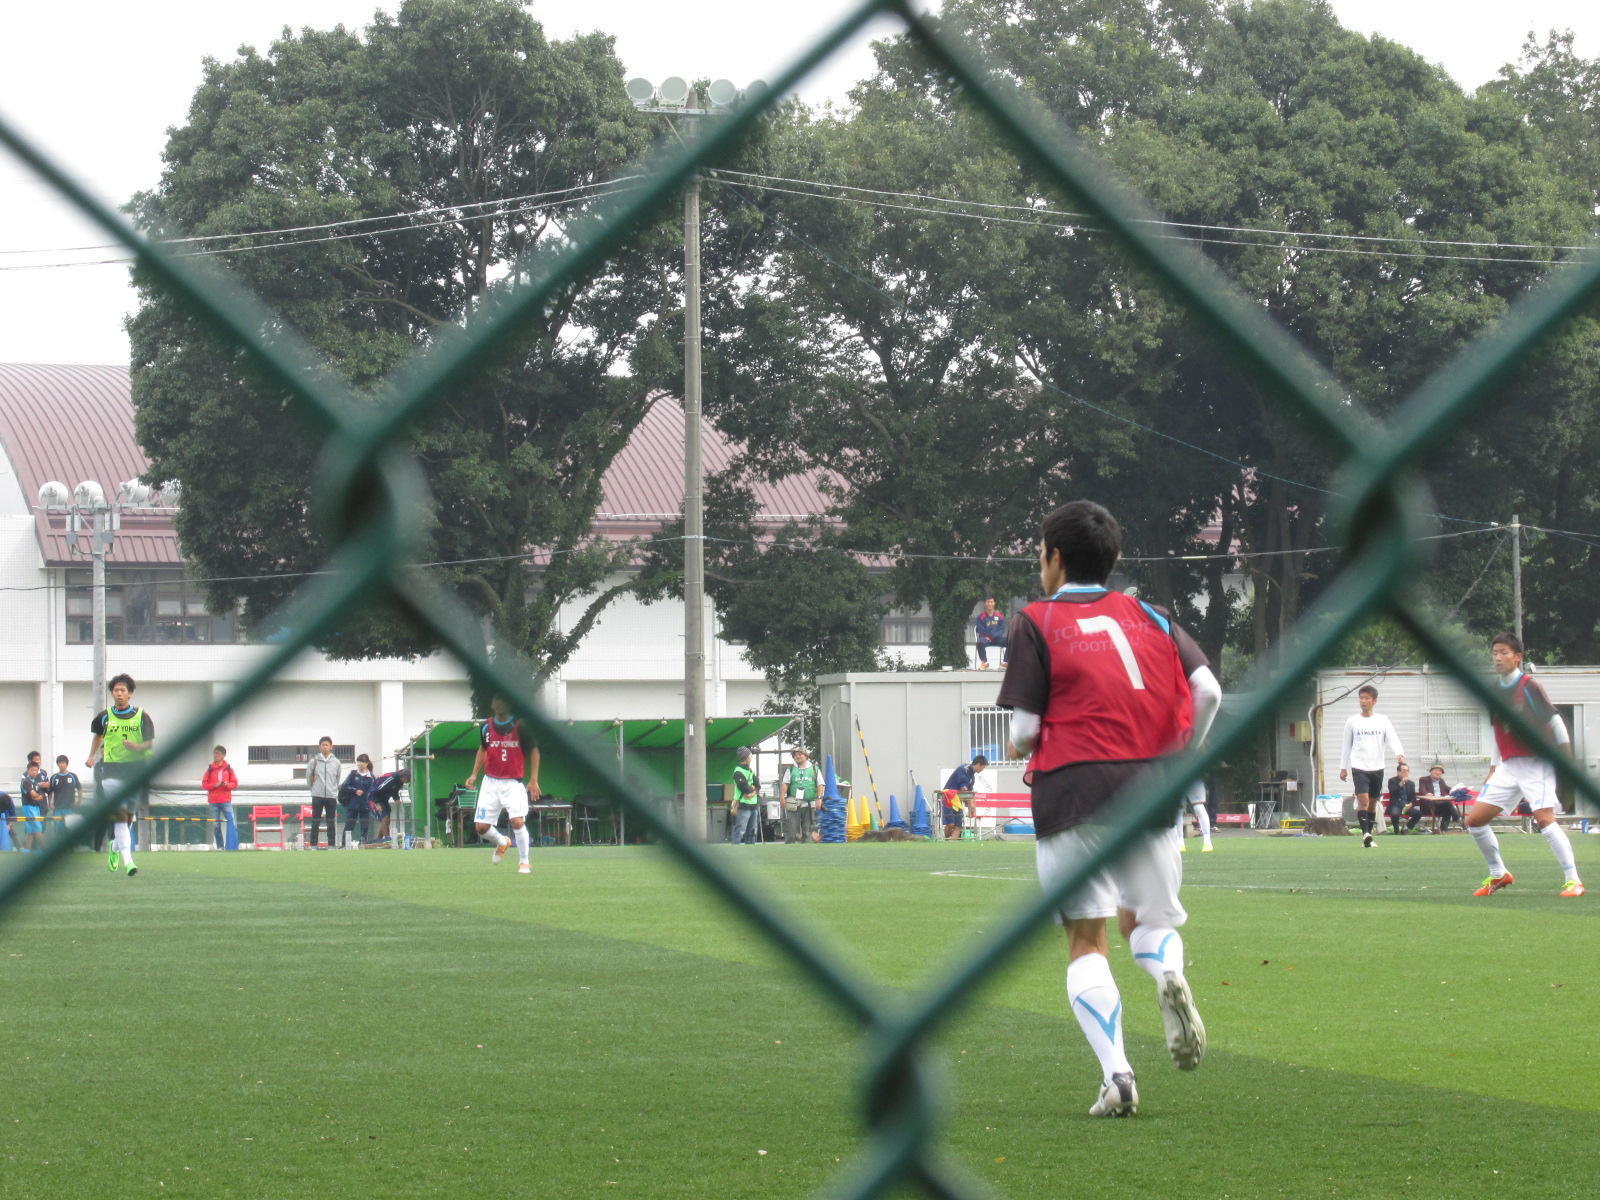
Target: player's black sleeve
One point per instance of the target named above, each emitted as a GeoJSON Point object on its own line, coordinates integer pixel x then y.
{"type": "Point", "coordinates": [1539, 706]}
{"type": "Point", "coordinates": [1027, 681]}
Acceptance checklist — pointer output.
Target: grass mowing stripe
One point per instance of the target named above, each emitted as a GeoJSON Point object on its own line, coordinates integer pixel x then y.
{"type": "Point", "coordinates": [661, 1046]}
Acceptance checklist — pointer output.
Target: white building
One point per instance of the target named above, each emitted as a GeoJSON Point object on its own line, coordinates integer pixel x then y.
{"type": "Point", "coordinates": [73, 423]}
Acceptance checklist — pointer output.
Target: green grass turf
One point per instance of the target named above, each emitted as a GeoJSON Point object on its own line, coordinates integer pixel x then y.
{"type": "Point", "coordinates": [419, 1024]}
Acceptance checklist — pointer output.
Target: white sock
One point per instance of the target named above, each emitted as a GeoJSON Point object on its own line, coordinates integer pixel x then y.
{"type": "Point", "coordinates": [1561, 847]}
{"type": "Point", "coordinates": [520, 836]}
{"type": "Point", "coordinates": [1092, 994]}
{"type": "Point", "coordinates": [1157, 950]}
{"type": "Point", "coordinates": [1202, 818]}
{"type": "Point", "coordinates": [1489, 845]}
{"type": "Point", "coordinates": [123, 841]}
{"type": "Point", "coordinates": [494, 837]}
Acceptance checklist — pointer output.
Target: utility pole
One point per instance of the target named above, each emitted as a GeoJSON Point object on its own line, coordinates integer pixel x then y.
{"type": "Point", "coordinates": [675, 99]}
{"type": "Point", "coordinates": [1516, 577]}
{"type": "Point", "coordinates": [694, 542]}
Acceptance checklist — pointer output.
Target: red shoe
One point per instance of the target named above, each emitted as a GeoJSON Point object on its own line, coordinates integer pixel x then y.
{"type": "Point", "coordinates": [1572, 888]}
{"type": "Point", "coordinates": [1494, 883]}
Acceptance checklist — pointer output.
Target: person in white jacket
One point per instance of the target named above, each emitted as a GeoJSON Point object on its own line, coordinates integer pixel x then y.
{"type": "Point", "coordinates": [1368, 737]}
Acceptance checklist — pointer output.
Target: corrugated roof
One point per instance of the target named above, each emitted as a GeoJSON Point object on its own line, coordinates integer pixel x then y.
{"type": "Point", "coordinates": [71, 423]}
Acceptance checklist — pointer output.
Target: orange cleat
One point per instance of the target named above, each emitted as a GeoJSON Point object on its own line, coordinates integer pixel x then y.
{"type": "Point", "coordinates": [1573, 887]}
{"type": "Point", "coordinates": [1494, 883]}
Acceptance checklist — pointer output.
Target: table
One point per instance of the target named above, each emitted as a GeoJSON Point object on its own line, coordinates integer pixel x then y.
{"type": "Point", "coordinates": [543, 812]}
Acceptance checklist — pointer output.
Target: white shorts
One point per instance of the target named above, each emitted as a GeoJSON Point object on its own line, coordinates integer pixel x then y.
{"type": "Point", "coordinates": [1144, 880]}
{"type": "Point", "coordinates": [1517, 777]}
{"type": "Point", "coordinates": [495, 794]}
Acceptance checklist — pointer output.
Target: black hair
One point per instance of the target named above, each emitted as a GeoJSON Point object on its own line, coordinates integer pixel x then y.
{"type": "Point", "coordinates": [61, 758]}
{"type": "Point", "coordinates": [1088, 539]}
{"type": "Point", "coordinates": [116, 679]}
{"type": "Point", "coordinates": [1367, 689]}
{"type": "Point", "coordinates": [324, 738]}
{"type": "Point", "coordinates": [980, 759]}
{"type": "Point", "coordinates": [1508, 639]}
{"type": "Point", "coordinates": [224, 749]}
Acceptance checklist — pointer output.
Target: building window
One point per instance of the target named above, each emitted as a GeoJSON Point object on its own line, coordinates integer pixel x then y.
{"type": "Point", "coordinates": [146, 607]}
{"type": "Point", "coordinates": [296, 756]}
{"type": "Point", "coordinates": [907, 629]}
{"type": "Point", "coordinates": [989, 734]}
{"type": "Point", "coordinates": [1453, 733]}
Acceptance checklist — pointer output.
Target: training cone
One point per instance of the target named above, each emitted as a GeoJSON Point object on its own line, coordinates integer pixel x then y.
{"type": "Point", "coordinates": [831, 822]}
{"type": "Point", "coordinates": [921, 825]}
{"type": "Point", "coordinates": [857, 823]}
{"type": "Point", "coordinates": [896, 821]}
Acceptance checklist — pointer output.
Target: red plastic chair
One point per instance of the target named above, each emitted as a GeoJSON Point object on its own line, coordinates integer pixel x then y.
{"type": "Point", "coordinates": [267, 819]}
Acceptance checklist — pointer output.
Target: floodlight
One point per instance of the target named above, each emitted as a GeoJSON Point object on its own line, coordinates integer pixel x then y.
{"type": "Point", "coordinates": [54, 494]}
{"type": "Point", "coordinates": [171, 492]}
{"type": "Point", "coordinates": [757, 89]}
{"type": "Point", "coordinates": [722, 93]}
{"type": "Point", "coordinates": [89, 494]}
{"type": "Point", "coordinates": [640, 90]}
{"type": "Point", "coordinates": [674, 90]}
{"type": "Point", "coordinates": [134, 494]}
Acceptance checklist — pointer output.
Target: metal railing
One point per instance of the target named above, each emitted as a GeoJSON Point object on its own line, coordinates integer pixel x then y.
{"type": "Point", "coordinates": [1383, 517]}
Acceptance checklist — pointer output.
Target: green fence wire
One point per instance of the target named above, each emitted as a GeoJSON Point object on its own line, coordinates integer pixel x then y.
{"type": "Point", "coordinates": [1382, 516]}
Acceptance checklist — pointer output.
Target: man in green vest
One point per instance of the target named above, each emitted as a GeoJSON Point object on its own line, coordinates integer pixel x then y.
{"type": "Point", "coordinates": [124, 737]}
{"type": "Point", "coordinates": [746, 797]}
{"type": "Point", "coordinates": [800, 795]}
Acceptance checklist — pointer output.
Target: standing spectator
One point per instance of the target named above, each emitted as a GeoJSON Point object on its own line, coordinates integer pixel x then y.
{"type": "Point", "coordinates": [746, 797]}
{"type": "Point", "coordinates": [1436, 792]}
{"type": "Point", "coordinates": [991, 625]}
{"type": "Point", "coordinates": [1402, 796]}
{"type": "Point", "coordinates": [322, 778]}
{"type": "Point", "coordinates": [219, 782]}
{"type": "Point", "coordinates": [7, 812]}
{"type": "Point", "coordinates": [35, 801]}
{"type": "Point", "coordinates": [124, 737]}
{"type": "Point", "coordinates": [65, 786]}
{"type": "Point", "coordinates": [1367, 735]}
{"type": "Point", "coordinates": [963, 779]}
{"type": "Point", "coordinates": [355, 796]}
{"type": "Point", "coordinates": [801, 794]}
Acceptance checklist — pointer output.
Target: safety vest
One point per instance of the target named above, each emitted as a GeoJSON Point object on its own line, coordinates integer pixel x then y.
{"type": "Point", "coordinates": [803, 782]}
{"type": "Point", "coordinates": [119, 730]}
{"type": "Point", "coordinates": [1117, 687]}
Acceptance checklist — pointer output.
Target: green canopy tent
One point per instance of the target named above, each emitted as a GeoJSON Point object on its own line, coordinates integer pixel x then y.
{"type": "Point", "coordinates": [649, 750]}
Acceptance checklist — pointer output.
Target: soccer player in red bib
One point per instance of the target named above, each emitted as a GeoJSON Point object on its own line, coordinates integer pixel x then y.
{"type": "Point", "coordinates": [1100, 685]}
{"type": "Point", "coordinates": [505, 751]}
{"type": "Point", "coordinates": [1518, 770]}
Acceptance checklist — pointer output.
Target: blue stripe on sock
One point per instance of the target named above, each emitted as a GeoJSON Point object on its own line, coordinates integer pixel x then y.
{"type": "Point", "coordinates": [1161, 951]}
{"type": "Point", "coordinates": [1109, 1025]}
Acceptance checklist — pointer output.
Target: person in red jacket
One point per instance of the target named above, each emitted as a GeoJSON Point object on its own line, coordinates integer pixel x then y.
{"type": "Point", "coordinates": [219, 782]}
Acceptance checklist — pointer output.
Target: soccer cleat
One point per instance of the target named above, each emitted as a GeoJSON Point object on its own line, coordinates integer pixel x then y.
{"type": "Point", "coordinates": [113, 862]}
{"type": "Point", "coordinates": [1366, 840]}
{"type": "Point", "coordinates": [1183, 847]}
{"type": "Point", "coordinates": [1494, 883]}
{"type": "Point", "coordinates": [500, 853]}
{"type": "Point", "coordinates": [1573, 887]}
{"type": "Point", "coordinates": [524, 869]}
{"type": "Point", "coordinates": [1118, 1097]}
{"type": "Point", "coordinates": [132, 870]}
{"type": "Point", "coordinates": [1186, 1032]}
{"type": "Point", "coordinates": [1208, 848]}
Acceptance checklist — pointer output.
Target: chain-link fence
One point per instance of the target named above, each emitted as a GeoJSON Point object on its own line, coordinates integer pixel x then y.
{"type": "Point", "coordinates": [1383, 519]}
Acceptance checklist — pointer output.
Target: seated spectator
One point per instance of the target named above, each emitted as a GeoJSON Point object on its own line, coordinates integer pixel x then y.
{"type": "Point", "coordinates": [1433, 794]}
{"type": "Point", "coordinates": [1401, 796]}
{"type": "Point", "coordinates": [961, 779]}
{"type": "Point", "coordinates": [991, 626]}
{"type": "Point", "coordinates": [355, 796]}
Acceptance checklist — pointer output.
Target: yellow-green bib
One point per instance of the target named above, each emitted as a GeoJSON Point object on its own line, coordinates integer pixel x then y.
{"type": "Point", "coordinates": [123, 729]}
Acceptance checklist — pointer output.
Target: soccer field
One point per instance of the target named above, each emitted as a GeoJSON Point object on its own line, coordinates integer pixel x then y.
{"type": "Point", "coordinates": [420, 1024]}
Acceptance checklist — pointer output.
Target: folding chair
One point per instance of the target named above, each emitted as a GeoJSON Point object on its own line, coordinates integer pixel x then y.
{"type": "Point", "coordinates": [267, 819]}
{"type": "Point", "coordinates": [590, 812]}
{"type": "Point", "coordinates": [305, 819]}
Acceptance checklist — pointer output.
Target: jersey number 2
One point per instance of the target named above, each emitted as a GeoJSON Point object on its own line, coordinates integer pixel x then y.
{"type": "Point", "coordinates": [1113, 630]}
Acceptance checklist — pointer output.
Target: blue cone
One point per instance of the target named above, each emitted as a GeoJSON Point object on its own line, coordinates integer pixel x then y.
{"type": "Point", "coordinates": [921, 824]}
{"type": "Point", "coordinates": [831, 821]}
{"type": "Point", "coordinates": [896, 821]}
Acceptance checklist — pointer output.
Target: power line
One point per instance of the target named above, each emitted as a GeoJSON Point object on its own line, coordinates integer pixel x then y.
{"type": "Point", "coordinates": [1079, 217]}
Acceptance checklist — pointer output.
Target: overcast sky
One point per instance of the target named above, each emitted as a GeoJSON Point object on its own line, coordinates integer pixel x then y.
{"type": "Point", "coordinates": [98, 83]}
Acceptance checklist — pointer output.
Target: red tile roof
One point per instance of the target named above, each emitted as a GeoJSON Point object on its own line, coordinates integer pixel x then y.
{"type": "Point", "coordinates": [71, 423]}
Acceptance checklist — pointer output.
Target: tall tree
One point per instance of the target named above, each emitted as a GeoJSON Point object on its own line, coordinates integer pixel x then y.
{"type": "Point", "coordinates": [489, 139]}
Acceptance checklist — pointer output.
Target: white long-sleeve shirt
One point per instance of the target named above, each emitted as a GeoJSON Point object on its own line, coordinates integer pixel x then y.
{"type": "Point", "coordinates": [1365, 742]}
